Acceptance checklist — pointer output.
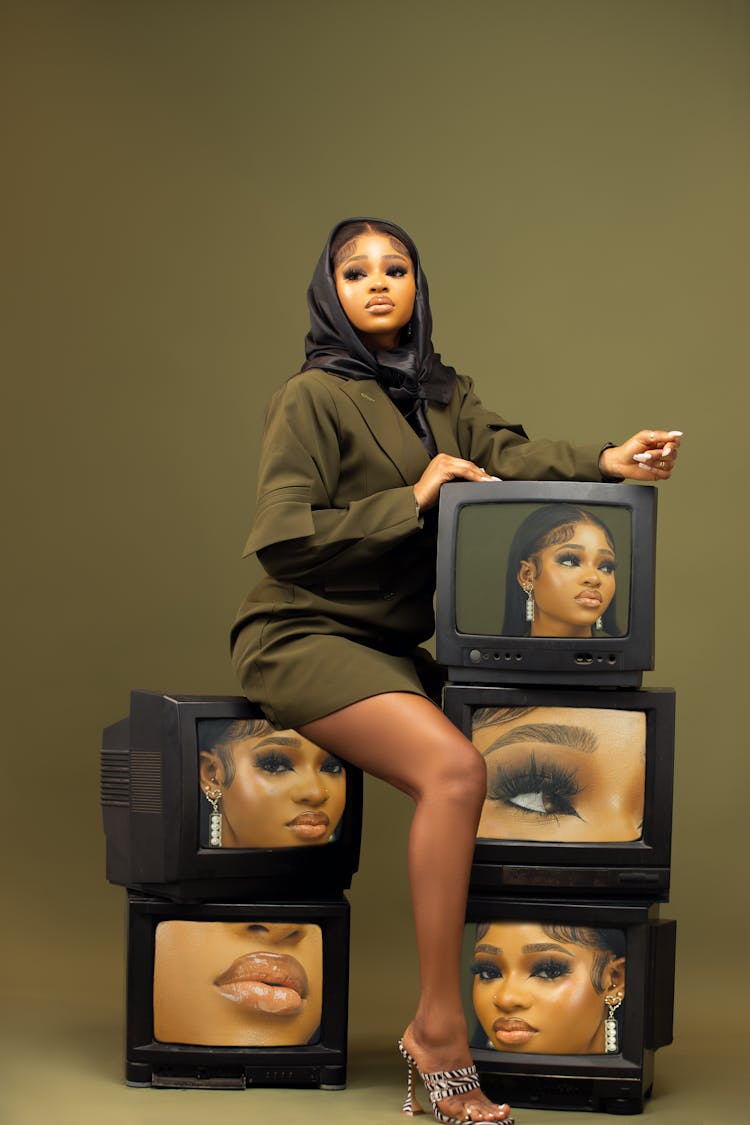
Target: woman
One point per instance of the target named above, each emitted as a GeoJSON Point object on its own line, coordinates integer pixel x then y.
{"type": "Point", "coordinates": [237, 984]}
{"type": "Point", "coordinates": [547, 989]}
{"type": "Point", "coordinates": [565, 774]}
{"type": "Point", "coordinates": [267, 788]}
{"type": "Point", "coordinates": [560, 580]}
{"type": "Point", "coordinates": [355, 451]}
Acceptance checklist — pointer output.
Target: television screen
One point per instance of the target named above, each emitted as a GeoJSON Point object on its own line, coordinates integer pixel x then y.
{"type": "Point", "coordinates": [266, 788]}
{"type": "Point", "coordinates": [237, 994]}
{"type": "Point", "coordinates": [234, 984]}
{"type": "Point", "coordinates": [546, 582]}
{"type": "Point", "coordinates": [201, 796]}
{"type": "Point", "coordinates": [568, 998]}
{"type": "Point", "coordinates": [579, 786]}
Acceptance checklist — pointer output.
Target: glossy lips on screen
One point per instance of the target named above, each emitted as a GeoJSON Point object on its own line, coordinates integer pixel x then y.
{"type": "Point", "coordinates": [310, 825]}
{"type": "Point", "coordinates": [274, 983]}
{"type": "Point", "coordinates": [589, 599]}
{"type": "Point", "coordinates": [513, 1032]}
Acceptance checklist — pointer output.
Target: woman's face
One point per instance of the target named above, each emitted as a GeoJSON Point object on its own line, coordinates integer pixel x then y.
{"type": "Point", "coordinates": [563, 774]}
{"type": "Point", "coordinates": [237, 984]}
{"type": "Point", "coordinates": [286, 791]}
{"type": "Point", "coordinates": [375, 283]}
{"type": "Point", "coordinates": [533, 993]}
{"type": "Point", "coordinates": [574, 582]}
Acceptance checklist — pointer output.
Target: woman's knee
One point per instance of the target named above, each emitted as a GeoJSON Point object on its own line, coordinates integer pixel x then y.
{"type": "Point", "coordinates": [458, 771]}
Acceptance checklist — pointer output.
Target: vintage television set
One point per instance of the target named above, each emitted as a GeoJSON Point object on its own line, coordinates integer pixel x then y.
{"type": "Point", "coordinates": [567, 1002]}
{"type": "Point", "coordinates": [579, 788]}
{"type": "Point", "coordinates": [579, 557]}
{"type": "Point", "coordinates": [202, 798]}
{"type": "Point", "coordinates": [230, 995]}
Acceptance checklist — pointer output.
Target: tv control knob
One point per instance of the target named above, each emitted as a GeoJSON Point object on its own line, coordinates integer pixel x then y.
{"type": "Point", "coordinates": [475, 656]}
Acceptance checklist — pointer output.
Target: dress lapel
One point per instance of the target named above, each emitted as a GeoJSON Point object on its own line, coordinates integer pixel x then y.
{"type": "Point", "coordinates": [441, 424]}
{"type": "Point", "coordinates": [392, 432]}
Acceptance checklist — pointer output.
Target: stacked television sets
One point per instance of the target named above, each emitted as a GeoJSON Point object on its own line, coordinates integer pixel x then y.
{"type": "Point", "coordinates": [545, 610]}
{"type": "Point", "coordinates": [236, 842]}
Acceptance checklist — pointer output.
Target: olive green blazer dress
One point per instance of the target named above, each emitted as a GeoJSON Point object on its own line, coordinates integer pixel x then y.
{"type": "Point", "coordinates": [350, 563]}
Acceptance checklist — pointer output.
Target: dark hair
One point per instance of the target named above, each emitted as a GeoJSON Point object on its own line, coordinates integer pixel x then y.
{"type": "Point", "coordinates": [609, 943]}
{"type": "Point", "coordinates": [546, 526]}
{"type": "Point", "coordinates": [363, 226]}
{"type": "Point", "coordinates": [217, 736]}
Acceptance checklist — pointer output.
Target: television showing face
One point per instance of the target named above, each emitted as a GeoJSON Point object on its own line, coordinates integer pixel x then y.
{"type": "Point", "coordinates": [579, 786]}
{"type": "Point", "coordinates": [202, 796]}
{"type": "Point", "coordinates": [266, 788]}
{"type": "Point", "coordinates": [544, 988]}
{"type": "Point", "coordinates": [561, 570]}
{"type": "Point", "coordinates": [236, 994]}
{"type": "Point", "coordinates": [546, 582]}
{"type": "Point", "coordinates": [567, 1001]}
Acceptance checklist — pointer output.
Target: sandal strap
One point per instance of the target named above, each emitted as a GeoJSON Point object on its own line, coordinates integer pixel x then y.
{"type": "Point", "coordinates": [449, 1083]}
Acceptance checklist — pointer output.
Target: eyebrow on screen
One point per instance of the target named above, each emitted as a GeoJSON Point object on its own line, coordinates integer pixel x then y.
{"type": "Point", "coordinates": [278, 740]}
{"type": "Point", "coordinates": [536, 947]}
{"type": "Point", "coordinates": [553, 734]}
{"type": "Point", "coordinates": [580, 547]}
{"type": "Point", "coordinates": [546, 947]}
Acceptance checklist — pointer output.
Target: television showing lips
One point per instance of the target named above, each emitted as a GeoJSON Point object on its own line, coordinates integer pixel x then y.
{"type": "Point", "coordinates": [237, 984]}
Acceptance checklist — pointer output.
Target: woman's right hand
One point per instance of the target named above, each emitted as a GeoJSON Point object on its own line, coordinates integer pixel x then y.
{"type": "Point", "coordinates": [440, 470]}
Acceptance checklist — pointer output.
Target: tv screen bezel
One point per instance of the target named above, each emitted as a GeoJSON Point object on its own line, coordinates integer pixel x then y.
{"type": "Point", "coordinates": [152, 1062]}
{"type": "Point", "coordinates": [484, 657]}
{"type": "Point", "coordinates": [635, 867]}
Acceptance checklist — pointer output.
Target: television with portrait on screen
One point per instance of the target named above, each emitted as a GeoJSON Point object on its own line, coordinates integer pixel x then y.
{"type": "Point", "coordinates": [231, 995]}
{"type": "Point", "coordinates": [566, 1002]}
{"type": "Point", "coordinates": [546, 582]}
{"type": "Point", "coordinates": [201, 796]}
{"type": "Point", "coordinates": [579, 787]}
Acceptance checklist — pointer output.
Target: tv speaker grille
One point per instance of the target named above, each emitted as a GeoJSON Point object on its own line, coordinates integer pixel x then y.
{"type": "Point", "coordinates": [145, 781]}
{"type": "Point", "coordinates": [115, 778]}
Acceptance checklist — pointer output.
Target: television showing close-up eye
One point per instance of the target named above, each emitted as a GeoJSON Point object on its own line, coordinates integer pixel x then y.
{"type": "Point", "coordinates": [546, 581]}
{"type": "Point", "coordinates": [201, 795]}
{"type": "Point", "coordinates": [235, 995]}
{"type": "Point", "coordinates": [579, 786]}
{"type": "Point", "coordinates": [566, 1002]}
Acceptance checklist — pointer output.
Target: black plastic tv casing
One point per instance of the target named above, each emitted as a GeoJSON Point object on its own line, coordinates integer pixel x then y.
{"type": "Point", "coordinates": [149, 1062]}
{"type": "Point", "coordinates": [638, 868]}
{"type": "Point", "coordinates": [598, 661]}
{"type": "Point", "coordinates": [150, 800]}
{"type": "Point", "coordinates": [616, 1083]}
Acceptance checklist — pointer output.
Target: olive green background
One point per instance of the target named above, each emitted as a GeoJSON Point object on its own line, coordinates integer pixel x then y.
{"type": "Point", "coordinates": [576, 175]}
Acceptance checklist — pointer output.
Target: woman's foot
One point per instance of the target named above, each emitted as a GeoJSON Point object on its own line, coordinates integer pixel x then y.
{"type": "Point", "coordinates": [433, 1054]}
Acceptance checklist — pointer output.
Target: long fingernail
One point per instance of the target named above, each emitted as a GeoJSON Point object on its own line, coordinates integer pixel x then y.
{"type": "Point", "coordinates": [641, 456]}
{"type": "Point", "coordinates": [675, 433]}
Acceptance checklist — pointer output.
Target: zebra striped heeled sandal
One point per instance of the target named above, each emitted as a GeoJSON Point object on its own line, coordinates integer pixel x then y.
{"type": "Point", "coordinates": [441, 1084]}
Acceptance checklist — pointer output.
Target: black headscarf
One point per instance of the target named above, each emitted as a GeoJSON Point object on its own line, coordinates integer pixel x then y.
{"type": "Point", "coordinates": [410, 373]}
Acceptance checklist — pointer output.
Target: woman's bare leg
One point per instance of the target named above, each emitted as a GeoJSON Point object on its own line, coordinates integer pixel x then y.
{"type": "Point", "coordinates": [405, 740]}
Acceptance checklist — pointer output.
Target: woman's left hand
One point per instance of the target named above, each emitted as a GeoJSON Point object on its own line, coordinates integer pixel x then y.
{"type": "Point", "coordinates": [648, 455]}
